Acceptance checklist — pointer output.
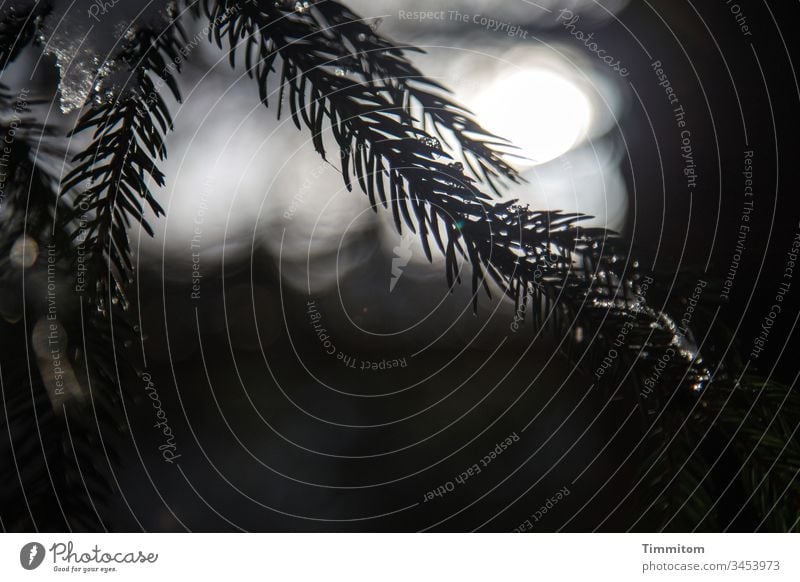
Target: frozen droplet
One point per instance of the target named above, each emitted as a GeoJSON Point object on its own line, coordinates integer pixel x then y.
{"type": "Point", "coordinates": [172, 10]}
{"type": "Point", "coordinates": [128, 32]}
{"type": "Point", "coordinates": [362, 37]}
{"type": "Point", "coordinates": [24, 252]}
{"type": "Point", "coordinates": [431, 142]}
{"type": "Point", "coordinates": [339, 72]}
{"type": "Point", "coordinates": [698, 386]}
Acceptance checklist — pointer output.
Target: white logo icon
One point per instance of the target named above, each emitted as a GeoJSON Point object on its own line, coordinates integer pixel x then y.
{"type": "Point", "coordinates": [402, 256]}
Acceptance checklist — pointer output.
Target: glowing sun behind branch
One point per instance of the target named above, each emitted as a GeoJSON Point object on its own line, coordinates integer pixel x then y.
{"type": "Point", "coordinates": [540, 111]}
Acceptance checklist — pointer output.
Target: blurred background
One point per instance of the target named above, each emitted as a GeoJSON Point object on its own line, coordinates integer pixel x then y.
{"type": "Point", "coordinates": [316, 370]}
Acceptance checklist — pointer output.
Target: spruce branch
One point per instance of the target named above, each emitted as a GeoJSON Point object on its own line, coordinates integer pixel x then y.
{"type": "Point", "coordinates": [60, 407]}
{"type": "Point", "coordinates": [761, 421]}
{"type": "Point", "coordinates": [402, 167]}
{"type": "Point", "coordinates": [351, 46]}
{"type": "Point", "coordinates": [68, 478]}
{"type": "Point", "coordinates": [481, 151]}
{"type": "Point", "coordinates": [110, 180]}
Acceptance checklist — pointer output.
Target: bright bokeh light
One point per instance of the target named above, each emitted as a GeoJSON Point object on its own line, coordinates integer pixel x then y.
{"type": "Point", "coordinates": [540, 111]}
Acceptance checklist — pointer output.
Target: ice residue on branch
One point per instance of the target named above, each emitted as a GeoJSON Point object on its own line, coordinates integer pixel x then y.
{"type": "Point", "coordinates": [85, 36]}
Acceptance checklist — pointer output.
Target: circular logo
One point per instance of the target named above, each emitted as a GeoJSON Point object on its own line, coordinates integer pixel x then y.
{"type": "Point", "coordinates": [31, 555]}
